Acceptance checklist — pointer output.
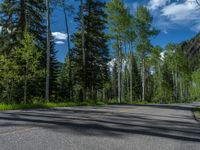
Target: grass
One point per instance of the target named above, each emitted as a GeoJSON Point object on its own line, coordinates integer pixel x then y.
{"type": "Point", "coordinates": [4, 107]}
{"type": "Point", "coordinates": [41, 105]}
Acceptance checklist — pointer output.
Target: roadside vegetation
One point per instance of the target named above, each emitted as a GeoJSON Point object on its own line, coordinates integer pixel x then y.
{"type": "Point", "coordinates": [110, 57]}
{"type": "Point", "coordinates": [43, 105]}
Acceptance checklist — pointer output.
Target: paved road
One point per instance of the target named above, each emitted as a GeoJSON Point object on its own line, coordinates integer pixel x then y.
{"type": "Point", "coordinates": [136, 127]}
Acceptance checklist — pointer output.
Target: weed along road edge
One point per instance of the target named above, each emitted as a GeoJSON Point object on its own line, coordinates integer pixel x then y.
{"type": "Point", "coordinates": [115, 127]}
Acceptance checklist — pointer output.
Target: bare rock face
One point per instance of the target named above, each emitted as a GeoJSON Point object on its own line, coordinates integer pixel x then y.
{"type": "Point", "coordinates": [191, 48]}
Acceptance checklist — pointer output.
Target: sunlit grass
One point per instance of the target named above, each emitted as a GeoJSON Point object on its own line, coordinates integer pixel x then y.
{"type": "Point", "coordinates": [67, 104]}
{"type": "Point", "coordinates": [39, 105]}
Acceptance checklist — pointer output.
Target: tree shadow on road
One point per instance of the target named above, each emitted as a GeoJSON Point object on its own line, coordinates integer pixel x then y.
{"type": "Point", "coordinates": [106, 124]}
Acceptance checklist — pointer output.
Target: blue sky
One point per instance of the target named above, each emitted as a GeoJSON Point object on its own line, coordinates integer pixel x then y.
{"type": "Point", "coordinates": [177, 20]}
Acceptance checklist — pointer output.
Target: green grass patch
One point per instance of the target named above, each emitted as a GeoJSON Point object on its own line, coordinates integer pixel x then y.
{"type": "Point", "coordinates": [39, 105]}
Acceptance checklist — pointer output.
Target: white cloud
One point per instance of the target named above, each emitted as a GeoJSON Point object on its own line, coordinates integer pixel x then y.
{"type": "Point", "coordinates": [181, 11]}
{"type": "Point", "coordinates": [59, 42]}
{"type": "Point", "coordinates": [155, 4]}
{"type": "Point", "coordinates": [184, 13]}
{"type": "Point", "coordinates": [59, 35]}
{"type": "Point", "coordinates": [172, 15]}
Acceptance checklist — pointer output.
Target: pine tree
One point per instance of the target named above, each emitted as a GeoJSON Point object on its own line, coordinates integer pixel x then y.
{"type": "Point", "coordinates": [8, 22]}
{"type": "Point", "coordinates": [135, 83]}
{"type": "Point", "coordinates": [54, 72]}
{"type": "Point", "coordinates": [96, 50]}
{"type": "Point", "coordinates": [17, 17]}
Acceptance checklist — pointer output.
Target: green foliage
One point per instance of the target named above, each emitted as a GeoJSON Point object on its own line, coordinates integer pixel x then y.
{"type": "Point", "coordinates": [138, 71]}
{"type": "Point", "coordinates": [144, 30]}
{"type": "Point", "coordinates": [195, 85]}
{"type": "Point", "coordinates": [92, 75]}
{"type": "Point", "coordinates": [9, 74]}
{"type": "Point", "coordinates": [21, 67]}
{"type": "Point", "coordinates": [35, 105]}
{"type": "Point", "coordinates": [28, 57]}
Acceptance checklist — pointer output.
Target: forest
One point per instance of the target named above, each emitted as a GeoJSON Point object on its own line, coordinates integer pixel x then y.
{"type": "Point", "coordinates": [110, 58]}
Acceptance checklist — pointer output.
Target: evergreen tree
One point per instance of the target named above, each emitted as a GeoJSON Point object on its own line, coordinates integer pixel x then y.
{"type": "Point", "coordinates": [8, 22]}
{"type": "Point", "coordinates": [95, 45]}
{"type": "Point", "coordinates": [18, 17]}
{"type": "Point", "coordinates": [135, 82]}
{"type": "Point", "coordinates": [55, 69]}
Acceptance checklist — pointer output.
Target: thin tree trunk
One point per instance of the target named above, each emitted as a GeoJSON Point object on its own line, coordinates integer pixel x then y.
{"type": "Point", "coordinates": [131, 78]}
{"type": "Point", "coordinates": [69, 49]}
{"type": "Point", "coordinates": [25, 84]}
{"type": "Point", "coordinates": [174, 86]}
{"type": "Point", "coordinates": [83, 50]}
{"type": "Point", "coordinates": [22, 17]}
{"type": "Point", "coordinates": [176, 80]}
{"type": "Point", "coordinates": [122, 80]}
{"type": "Point", "coordinates": [143, 79]}
{"type": "Point", "coordinates": [104, 94]}
{"type": "Point", "coordinates": [119, 73]}
{"type": "Point", "coordinates": [119, 81]}
{"type": "Point", "coordinates": [160, 79]}
{"type": "Point", "coordinates": [47, 52]}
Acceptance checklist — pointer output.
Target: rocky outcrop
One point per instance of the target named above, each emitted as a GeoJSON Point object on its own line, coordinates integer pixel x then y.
{"type": "Point", "coordinates": [191, 48]}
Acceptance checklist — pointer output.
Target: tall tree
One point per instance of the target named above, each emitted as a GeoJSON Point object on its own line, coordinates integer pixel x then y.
{"type": "Point", "coordinates": [68, 8]}
{"type": "Point", "coordinates": [55, 69]}
{"type": "Point", "coordinates": [48, 52]}
{"type": "Point", "coordinates": [16, 16]}
{"type": "Point", "coordinates": [28, 59]}
{"type": "Point", "coordinates": [119, 20]}
{"type": "Point", "coordinates": [93, 74]}
{"type": "Point", "coordinates": [83, 49]}
{"type": "Point", "coordinates": [144, 32]}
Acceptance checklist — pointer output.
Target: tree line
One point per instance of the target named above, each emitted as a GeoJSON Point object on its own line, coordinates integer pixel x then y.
{"type": "Point", "coordinates": [109, 58]}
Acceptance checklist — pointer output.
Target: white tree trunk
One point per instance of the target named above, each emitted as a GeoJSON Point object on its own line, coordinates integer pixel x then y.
{"type": "Point", "coordinates": [131, 79]}
{"type": "Point", "coordinates": [143, 79]}
{"type": "Point", "coordinates": [119, 81]}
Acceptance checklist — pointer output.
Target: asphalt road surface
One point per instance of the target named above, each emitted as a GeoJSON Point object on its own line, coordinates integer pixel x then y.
{"type": "Point", "coordinates": [127, 127]}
